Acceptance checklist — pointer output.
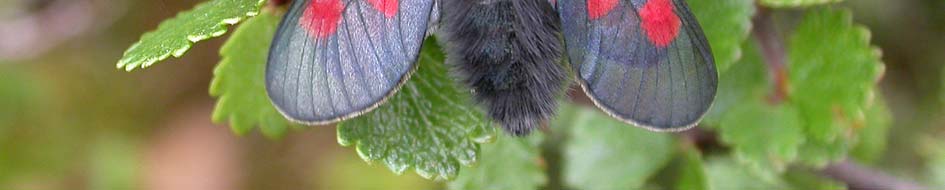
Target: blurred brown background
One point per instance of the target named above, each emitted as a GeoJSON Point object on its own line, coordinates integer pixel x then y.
{"type": "Point", "coordinates": [70, 120]}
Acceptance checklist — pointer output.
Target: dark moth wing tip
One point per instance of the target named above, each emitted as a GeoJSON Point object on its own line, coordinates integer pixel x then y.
{"type": "Point", "coordinates": [642, 124]}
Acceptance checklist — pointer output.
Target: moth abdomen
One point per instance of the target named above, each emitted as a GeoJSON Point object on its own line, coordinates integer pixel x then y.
{"type": "Point", "coordinates": [508, 52]}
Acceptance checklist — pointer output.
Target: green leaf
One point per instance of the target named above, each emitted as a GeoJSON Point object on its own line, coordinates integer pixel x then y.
{"type": "Point", "coordinates": [871, 142]}
{"type": "Point", "coordinates": [795, 3]}
{"type": "Point", "coordinates": [431, 124]}
{"type": "Point", "coordinates": [175, 36]}
{"type": "Point", "coordinates": [603, 153]}
{"type": "Point", "coordinates": [805, 179]}
{"type": "Point", "coordinates": [819, 153]}
{"type": "Point", "coordinates": [239, 80]}
{"type": "Point", "coordinates": [832, 74]}
{"type": "Point", "coordinates": [512, 163]}
{"type": "Point", "coordinates": [726, 24]}
{"type": "Point", "coordinates": [725, 174]}
{"type": "Point", "coordinates": [765, 138]}
{"type": "Point", "coordinates": [692, 172]}
{"type": "Point", "coordinates": [746, 79]}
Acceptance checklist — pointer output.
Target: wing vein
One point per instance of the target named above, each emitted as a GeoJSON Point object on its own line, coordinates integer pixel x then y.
{"type": "Point", "coordinates": [340, 67]}
{"type": "Point", "coordinates": [298, 76]}
{"type": "Point", "coordinates": [635, 52]}
{"type": "Point", "coordinates": [374, 49]}
{"type": "Point", "coordinates": [357, 65]}
{"type": "Point", "coordinates": [400, 31]}
{"type": "Point", "coordinates": [698, 43]}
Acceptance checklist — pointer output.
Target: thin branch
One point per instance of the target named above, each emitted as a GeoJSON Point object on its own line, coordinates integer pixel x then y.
{"type": "Point", "coordinates": [704, 140]}
{"type": "Point", "coordinates": [860, 177]}
{"type": "Point", "coordinates": [772, 49]}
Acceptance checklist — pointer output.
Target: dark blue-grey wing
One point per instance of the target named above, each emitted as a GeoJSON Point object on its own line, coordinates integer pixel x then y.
{"type": "Point", "coordinates": [335, 59]}
{"type": "Point", "coordinates": [645, 62]}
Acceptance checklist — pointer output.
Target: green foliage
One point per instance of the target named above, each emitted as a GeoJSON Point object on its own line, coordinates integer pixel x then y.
{"type": "Point", "coordinates": [175, 36]}
{"type": "Point", "coordinates": [726, 24]}
{"type": "Point", "coordinates": [430, 124]}
{"type": "Point", "coordinates": [764, 137]}
{"type": "Point", "coordinates": [873, 136]}
{"type": "Point", "coordinates": [603, 153]}
{"type": "Point", "coordinates": [832, 76]}
{"type": "Point", "coordinates": [692, 174]}
{"type": "Point", "coordinates": [239, 80]}
{"type": "Point", "coordinates": [794, 3]}
{"type": "Point", "coordinates": [803, 180]}
{"type": "Point", "coordinates": [725, 174]}
{"type": "Point", "coordinates": [511, 163]}
{"type": "Point", "coordinates": [830, 110]}
{"type": "Point", "coordinates": [746, 80]}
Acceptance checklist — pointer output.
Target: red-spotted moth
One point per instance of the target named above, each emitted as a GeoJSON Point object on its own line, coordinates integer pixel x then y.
{"type": "Point", "coordinates": [645, 62]}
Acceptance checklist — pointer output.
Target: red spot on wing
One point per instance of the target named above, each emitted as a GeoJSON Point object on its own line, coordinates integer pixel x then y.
{"type": "Point", "coordinates": [659, 22]}
{"type": "Point", "coordinates": [599, 8]}
{"type": "Point", "coordinates": [321, 17]}
{"type": "Point", "coordinates": [387, 7]}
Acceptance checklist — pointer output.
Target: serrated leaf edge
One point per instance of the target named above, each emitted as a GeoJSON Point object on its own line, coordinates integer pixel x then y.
{"type": "Point", "coordinates": [129, 65]}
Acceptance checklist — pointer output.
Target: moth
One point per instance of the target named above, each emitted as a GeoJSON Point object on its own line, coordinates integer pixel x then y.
{"type": "Point", "coordinates": [644, 62]}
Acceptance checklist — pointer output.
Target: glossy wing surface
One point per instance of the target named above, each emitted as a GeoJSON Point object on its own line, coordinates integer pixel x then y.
{"type": "Point", "coordinates": [335, 59]}
{"type": "Point", "coordinates": [645, 62]}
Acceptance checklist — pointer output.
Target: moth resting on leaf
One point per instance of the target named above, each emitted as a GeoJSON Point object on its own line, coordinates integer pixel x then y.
{"type": "Point", "coordinates": [645, 62]}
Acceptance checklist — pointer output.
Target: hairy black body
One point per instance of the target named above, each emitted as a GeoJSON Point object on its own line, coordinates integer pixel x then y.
{"type": "Point", "coordinates": [508, 52]}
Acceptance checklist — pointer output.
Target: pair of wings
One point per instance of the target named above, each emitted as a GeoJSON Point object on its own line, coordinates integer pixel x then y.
{"type": "Point", "coordinates": [336, 59]}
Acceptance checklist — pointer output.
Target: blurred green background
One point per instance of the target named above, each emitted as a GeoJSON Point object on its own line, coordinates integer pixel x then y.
{"type": "Point", "coordinates": [69, 120]}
